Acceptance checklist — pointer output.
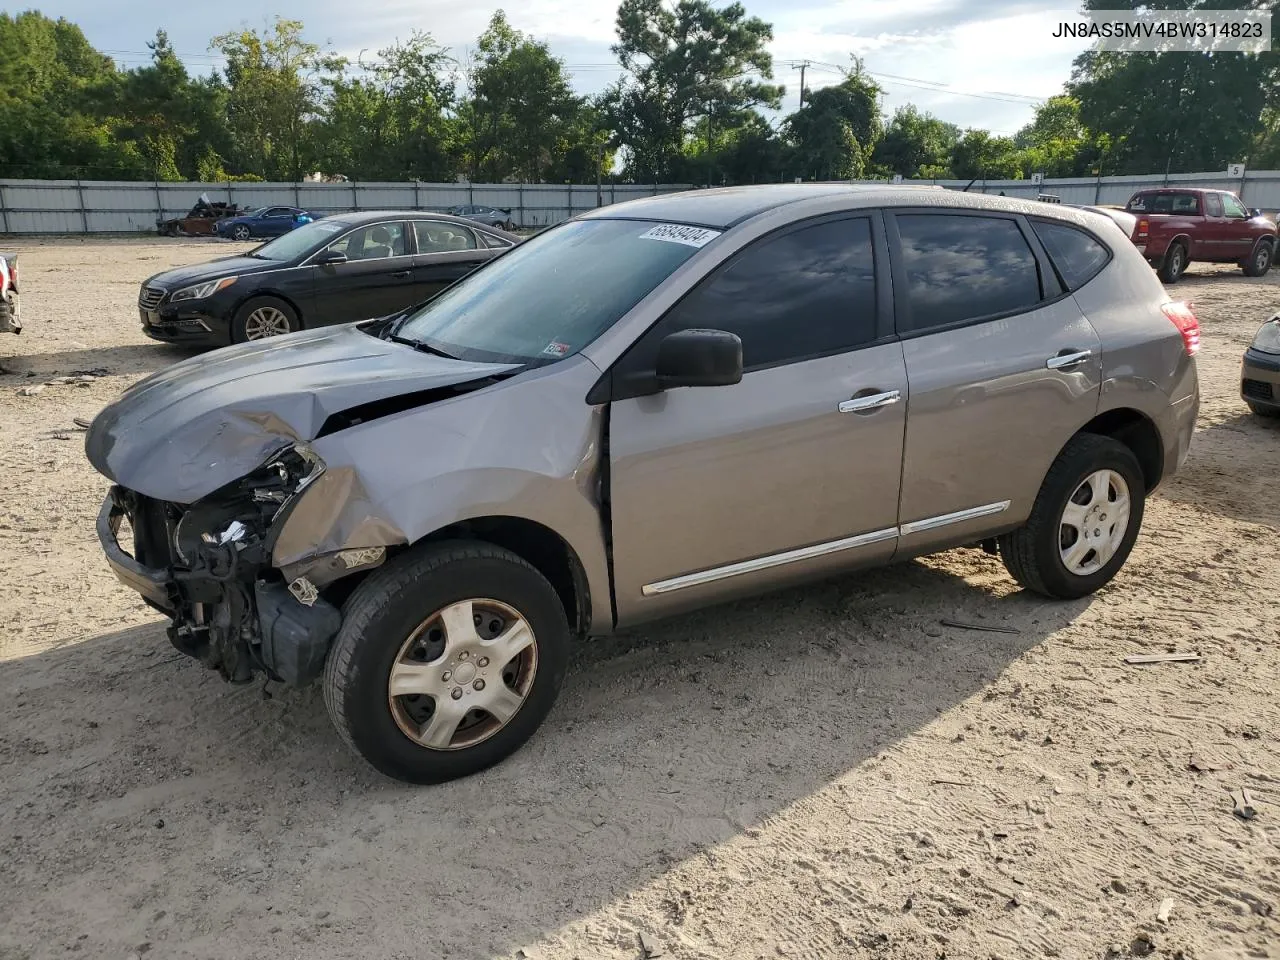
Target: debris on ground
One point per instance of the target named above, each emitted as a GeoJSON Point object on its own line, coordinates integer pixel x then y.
{"type": "Point", "coordinates": [1162, 658]}
{"type": "Point", "coordinates": [32, 391]}
{"type": "Point", "coordinates": [985, 628]}
{"type": "Point", "coordinates": [1243, 804]}
{"type": "Point", "coordinates": [1166, 907]}
{"type": "Point", "coordinates": [1205, 765]}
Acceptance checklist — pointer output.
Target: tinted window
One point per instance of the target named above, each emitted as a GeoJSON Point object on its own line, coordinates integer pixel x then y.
{"type": "Point", "coordinates": [278, 212]}
{"type": "Point", "coordinates": [1212, 205]}
{"type": "Point", "coordinates": [962, 268]}
{"type": "Point", "coordinates": [496, 243]}
{"type": "Point", "coordinates": [1184, 203]}
{"type": "Point", "coordinates": [376, 242]}
{"type": "Point", "coordinates": [437, 237]}
{"type": "Point", "coordinates": [803, 294]}
{"type": "Point", "coordinates": [299, 241]}
{"type": "Point", "coordinates": [1077, 255]}
{"type": "Point", "coordinates": [1234, 207]}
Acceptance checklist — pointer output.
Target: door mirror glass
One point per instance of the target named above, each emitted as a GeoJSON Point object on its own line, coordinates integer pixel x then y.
{"type": "Point", "coordinates": [699, 358]}
{"type": "Point", "coordinates": [1255, 211]}
{"type": "Point", "coordinates": [331, 257]}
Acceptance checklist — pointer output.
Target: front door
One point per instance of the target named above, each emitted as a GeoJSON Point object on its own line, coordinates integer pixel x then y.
{"type": "Point", "coordinates": [276, 221]}
{"type": "Point", "coordinates": [1003, 369]}
{"type": "Point", "coordinates": [447, 252]}
{"type": "Point", "coordinates": [375, 280]}
{"type": "Point", "coordinates": [1239, 235]}
{"type": "Point", "coordinates": [717, 491]}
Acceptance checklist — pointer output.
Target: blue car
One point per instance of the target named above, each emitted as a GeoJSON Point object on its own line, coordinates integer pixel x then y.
{"type": "Point", "coordinates": [263, 222]}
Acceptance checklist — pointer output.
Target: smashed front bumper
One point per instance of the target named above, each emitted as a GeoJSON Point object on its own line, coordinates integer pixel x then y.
{"type": "Point", "coordinates": [227, 606]}
{"type": "Point", "coordinates": [10, 313]}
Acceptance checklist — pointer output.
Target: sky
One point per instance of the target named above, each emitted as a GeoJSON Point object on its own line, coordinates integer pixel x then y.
{"type": "Point", "coordinates": [980, 63]}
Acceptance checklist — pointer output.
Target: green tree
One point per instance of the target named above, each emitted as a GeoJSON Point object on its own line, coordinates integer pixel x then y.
{"type": "Point", "coordinates": [51, 81]}
{"type": "Point", "coordinates": [275, 82]}
{"type": "Point", "coordinates": [1056, 142]}
{"type": "Point", "coordinates": [836, 131]}
{"type": "Point", "coordinates": [1175, 111]}
{"type": "Point", "coordinates": [682, 63]}
{"type": "Point", "coordinates": [916, 144]}
{"type": "Point", "coordinates": [395, 121]}
{"type": "Point", "coordinates": [523, 118]}
{"type": "Point", "coordinates": [978, 154]}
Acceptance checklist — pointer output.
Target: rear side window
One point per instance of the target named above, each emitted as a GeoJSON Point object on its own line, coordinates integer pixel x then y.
{"type": "Point", "coordinates": [960, 268]}
{"type": "Point", "coordinates": [494, 243]}
{"type": "Point", "coordinates": [806, 293]}
{"type": "Point", "coordinates": [1077, 256]}
{"type": "Point", "coordinates": [1183, 203]}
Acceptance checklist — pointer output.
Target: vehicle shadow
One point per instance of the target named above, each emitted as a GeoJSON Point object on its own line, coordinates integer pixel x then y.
{"type": "Point", "coordinates": [188, 805]}
{"type": "Point", "coordinates": [122, 360]}
{"type": "Point", "coordinates": [1232, 470]}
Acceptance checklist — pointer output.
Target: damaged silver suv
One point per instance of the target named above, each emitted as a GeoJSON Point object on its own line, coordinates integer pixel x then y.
{"type": "Point", "coordinates": [654, 407]}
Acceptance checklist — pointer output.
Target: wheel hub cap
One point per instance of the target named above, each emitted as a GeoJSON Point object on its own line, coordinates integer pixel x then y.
{"type": "Point", "coordinates": [1094, 522]}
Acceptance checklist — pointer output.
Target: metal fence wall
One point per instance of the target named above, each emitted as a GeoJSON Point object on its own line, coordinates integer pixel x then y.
{"type": "Point", "coordinates": [76, 206]}
{"type": "Point", "coordinates": [88, 206]}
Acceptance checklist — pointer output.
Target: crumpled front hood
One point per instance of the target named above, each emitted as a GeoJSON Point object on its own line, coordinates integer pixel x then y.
{"type": "Point", "coordinates": [196, 426]}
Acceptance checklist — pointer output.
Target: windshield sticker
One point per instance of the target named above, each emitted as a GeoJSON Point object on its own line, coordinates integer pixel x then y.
{"type": "Point", "coordinates": [556, 349]}
{"type": "Point", "coordinates": [676, 233]}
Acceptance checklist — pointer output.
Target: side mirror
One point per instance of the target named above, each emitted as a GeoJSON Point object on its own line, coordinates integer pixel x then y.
{"type": "Point", "coordinates": [331, 258]}
{"type": "Point", "coordinates": [1255, 212]}
{"type": "Point", "coordinates": [699, 358]}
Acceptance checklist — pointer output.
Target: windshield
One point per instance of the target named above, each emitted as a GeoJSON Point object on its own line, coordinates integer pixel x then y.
{"type": "Point", "coordinates": [297, 242]}
{"type": "Point", "coordinates": [552, 295]}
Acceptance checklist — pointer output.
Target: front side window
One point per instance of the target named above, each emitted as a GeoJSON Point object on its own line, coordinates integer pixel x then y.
{"type": "Point", "coordinates": [375, 242]}
{"type": "Point", "coordinates": [1077, 256]}
{"type": "Point", "coordinates": [1234, 207]}
{"type": "Point", "coordinates": [435, 236]}
{"type": "Point", "coordinates": [550, 296]}
{"type": "Point", "coordinates": [806, 293]}
{"type": "Point", "coordinates": [961, 268]}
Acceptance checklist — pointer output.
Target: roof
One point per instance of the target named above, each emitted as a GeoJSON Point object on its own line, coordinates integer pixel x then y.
{"type": "Point", "coordinates": [1181, 190]}
{"type": "Point", "coordinates": [361, 217]}
{"type": "Point", "coordinates": [724, 208]}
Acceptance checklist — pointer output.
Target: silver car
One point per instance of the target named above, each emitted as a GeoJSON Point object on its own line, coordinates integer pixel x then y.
{"type": "Point", "coordinates": [651, 408]}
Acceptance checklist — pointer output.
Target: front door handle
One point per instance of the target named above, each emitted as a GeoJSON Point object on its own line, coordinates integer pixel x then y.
{"type": "Point", "coordinates": [400, 275]}
{"type": "Point", "coordinates": [1064, 360]}
{"type": "Point", "coordinates": [872, 402]}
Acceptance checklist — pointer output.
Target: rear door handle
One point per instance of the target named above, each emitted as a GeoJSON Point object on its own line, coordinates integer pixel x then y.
{"type": "Point", "coordinates": [400, 275]}
{"type": "Point", "coordinates": [872, 402]}
{"type": "Point", "coordinates": [1068, 359]}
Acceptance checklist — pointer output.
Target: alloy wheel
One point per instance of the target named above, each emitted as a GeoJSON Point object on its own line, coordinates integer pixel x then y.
{"type": "Point", "coordinates": [265, 322]}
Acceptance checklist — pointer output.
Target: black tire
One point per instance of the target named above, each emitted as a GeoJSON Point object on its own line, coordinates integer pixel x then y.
{"type": "Point", "coordinates": [1174, 263]}
{"type": "Point", "coordinates": [1032, 553]}
{"type": "Point", "coordinates": [1259, 261]}
{"type": "Point", "coordinates": [389, 606]}
{"type": "Point", "coordinates": [241, 232]}
{"type": "Point", "coordinates": [509, 226]}
{"type": "Point", "coordinates": [1258, 410]}
{"type": "Point", "coordinates": [243, 323]}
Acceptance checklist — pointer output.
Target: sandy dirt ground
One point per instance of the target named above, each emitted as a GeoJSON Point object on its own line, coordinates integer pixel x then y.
{"type": "Point", "coordinates": [829, 772]}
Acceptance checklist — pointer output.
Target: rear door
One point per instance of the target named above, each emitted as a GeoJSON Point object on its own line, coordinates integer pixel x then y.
{"type": "Point", "coordinates": [794, 470]}
{"type": "Point", "coordinates": [1003, 369]}
{"type": "Point", "coordinates": [446, 253]}
{"type": "Point", "coordinates": [376, 280]}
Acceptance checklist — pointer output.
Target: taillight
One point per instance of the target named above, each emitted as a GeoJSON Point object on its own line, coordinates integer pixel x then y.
{"type": "Point", "coordinates": [1180, 316]}
{"type": "Point", "coordinates": [1144, 226]}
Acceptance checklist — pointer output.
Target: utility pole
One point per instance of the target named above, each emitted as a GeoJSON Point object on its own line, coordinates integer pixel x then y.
{"type": "Point", "coordinates": [599, 164]}
{"type": "Point", "coordinates": [803, 65]}
{"type": "Point", "coordinates": [709, 155]}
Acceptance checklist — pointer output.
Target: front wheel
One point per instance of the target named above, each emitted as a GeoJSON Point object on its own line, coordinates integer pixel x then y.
{"type": "Point", "coordinates": [241, 232]}
{"type": "Point", "coordinates": [261, 318]}
{"type": "Point", "coordinates": [1084, 522]}
{"type": "Point", "coordinates": [448, 660]}
{"type": "Point", "coordinates": [1259, 262]}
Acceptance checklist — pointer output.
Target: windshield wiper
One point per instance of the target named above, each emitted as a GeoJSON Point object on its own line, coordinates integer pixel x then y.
{"type": "Point", "coordinates": [423, 347]}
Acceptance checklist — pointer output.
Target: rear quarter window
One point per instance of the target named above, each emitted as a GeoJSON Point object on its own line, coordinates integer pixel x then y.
{"type": "Point", "coordinates": [1076, 255]}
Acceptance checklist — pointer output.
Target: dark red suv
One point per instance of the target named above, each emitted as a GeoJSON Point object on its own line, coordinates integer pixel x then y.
{"type": "Point", "coordinates": [1178, 225]}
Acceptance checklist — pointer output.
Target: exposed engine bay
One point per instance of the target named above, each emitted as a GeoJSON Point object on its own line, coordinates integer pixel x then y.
{"type": "Point", "coordinates": [209, 567]}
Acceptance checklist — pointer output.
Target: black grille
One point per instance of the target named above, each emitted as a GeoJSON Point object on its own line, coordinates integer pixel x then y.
{"type": "Point", "coordinates": [1257, 390]}
{"type": "Point", "coordinates": [152, 536]}
{"type": "Point", "coordinates": [150, 298]}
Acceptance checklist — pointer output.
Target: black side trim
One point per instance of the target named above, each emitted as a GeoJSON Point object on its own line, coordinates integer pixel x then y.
{"type": "Point", "coordinates": [1266, 361]}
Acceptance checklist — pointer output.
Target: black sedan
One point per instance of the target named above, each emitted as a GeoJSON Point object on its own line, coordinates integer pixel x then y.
{"type": "Point", "coordinates": [339, 269]}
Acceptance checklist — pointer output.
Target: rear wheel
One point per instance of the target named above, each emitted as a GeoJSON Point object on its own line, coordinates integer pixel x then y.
{"type": "Point", "coordinates": [1084, 522]}
{"type": "Point", "coordinates": [1174, 263]}
{"type": "Point", "coordinates": [1260, 261]}
{"type": "Point", "coordinates": [263, 317]}
{"type": "Point", "coordinates": [448, 660]}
